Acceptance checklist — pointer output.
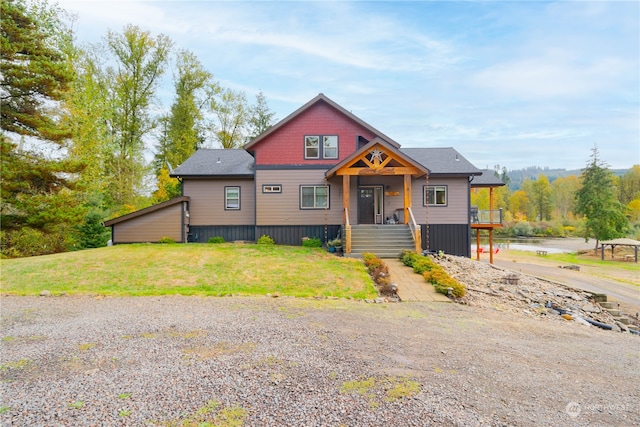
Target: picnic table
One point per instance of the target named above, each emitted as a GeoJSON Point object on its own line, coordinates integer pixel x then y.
{"type": "Point", "coordinates": [541, 253]}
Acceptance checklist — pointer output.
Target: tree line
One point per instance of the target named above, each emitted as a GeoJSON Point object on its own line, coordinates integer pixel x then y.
{"type": "Point", "coordinates": [78, 124]}
{"type": "Point", "coordinates": [595, 204]}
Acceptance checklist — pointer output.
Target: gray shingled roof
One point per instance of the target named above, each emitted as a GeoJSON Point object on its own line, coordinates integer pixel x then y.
{"type": "Point", "coordinates": [442, 160]}
{"type": "Point", "coordinates": [487, 179]}
{"type": "Point", "coordinates": [217, 162]}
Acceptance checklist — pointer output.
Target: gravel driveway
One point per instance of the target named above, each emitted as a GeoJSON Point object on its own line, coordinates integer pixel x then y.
{"type": "Point", "coordinates": [180, 361]}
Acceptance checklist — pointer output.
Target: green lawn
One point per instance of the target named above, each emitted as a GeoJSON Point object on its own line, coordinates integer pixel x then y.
{"type": "Point", "coordinates": [193, 269]}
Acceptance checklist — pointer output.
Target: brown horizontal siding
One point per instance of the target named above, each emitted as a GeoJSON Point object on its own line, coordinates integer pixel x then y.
{"type": "Point", "coordinates": [284, 208]}
{"type": "Point", "coordinates": [151, 227]}
{"type": "Point", "coordinates": [207, 201]}
{"type": "Point", "coordinates": [457, 209]}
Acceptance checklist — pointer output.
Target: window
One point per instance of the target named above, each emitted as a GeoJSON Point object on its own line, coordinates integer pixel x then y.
{"type": "Point", "coordinates": [272, 189]}
{"type": "Point", "coordinates": [436, 195]}
{"type": "Point", "coordinates": [327, 150]}
{"type": "Point", "coordinates": [232, 198]}
{"type": "Point", "coordinates": [314, 197]}
{"type": "Point", "coordinates": [311, 149]}
{"type": "Point", "coordinates": [330, 147]}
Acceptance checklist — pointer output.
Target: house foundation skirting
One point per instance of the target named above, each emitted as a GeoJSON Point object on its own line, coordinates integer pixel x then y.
{"type": "Point", "coordinates": [293, 234]}
{"type": "Point", "coordinates": [454, 239]}
{"type": "Point", "coordinates": [281, 234]}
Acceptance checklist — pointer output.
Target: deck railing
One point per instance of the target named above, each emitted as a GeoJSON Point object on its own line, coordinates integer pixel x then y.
{"type": "Point", "coordinates": [416, 232]}
{"type": "Point", "coordinates": [486, 216]}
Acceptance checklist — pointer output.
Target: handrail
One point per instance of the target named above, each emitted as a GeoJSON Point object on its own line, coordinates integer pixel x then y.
{"type": "Point", "coordinates": [416, 232]}
{"type": "Point", "coordinates": [412, 224]}
{"type": "Point", "coordinates": [347, 232]}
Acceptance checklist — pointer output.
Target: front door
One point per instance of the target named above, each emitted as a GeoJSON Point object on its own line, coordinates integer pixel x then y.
{"type": "Point", "coordinates": [370, 205]}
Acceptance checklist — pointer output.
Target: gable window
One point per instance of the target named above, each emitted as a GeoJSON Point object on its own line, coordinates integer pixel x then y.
{"type": "Point", "coordinates": [311, 147]}
{"type": "Point", "coordinates": [272, 189]}
{"type": "Point", "coordinates": [231, 198]}
{"type": "Point", "coordinates": [314, 196]}
{"type": "Point", "coordinates": [321, 147]}
{"type": "Point", "coordinates": [330, 147]}
{"type": "Point", "coordinates": [436, 195]}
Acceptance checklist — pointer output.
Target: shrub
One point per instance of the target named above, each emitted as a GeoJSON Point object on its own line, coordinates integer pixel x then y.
{"type": "Point", "coordinates": [313, 242]}
{"type": "Point", "coordinates": [408, 257]}
{"type": "Point", "coordinates": [266, 240]}
{"type": "Point", "coordinates": [216, 239]}
{"type": "Point", "coordinates": [91, 233]}
{"type": "Point", "coordinates": [423, 264]}
{"type": "Point", "coordinates": [441, 281]}
{"type": "Point", "coordinates": [522, 228]}
{"type": "Point", "coordinates": [379, 272]}
{"type": "Point", "coordinates": [166, 239]}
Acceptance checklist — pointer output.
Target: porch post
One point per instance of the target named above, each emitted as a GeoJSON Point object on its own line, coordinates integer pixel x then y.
{"type": "Point", "coordinates": [407, 197]}
{"type": "Point", "coordinates": [346, 186]}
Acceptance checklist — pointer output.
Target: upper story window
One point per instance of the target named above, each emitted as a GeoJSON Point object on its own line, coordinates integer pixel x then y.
{"type": "Point", "coordinates": [436, 195]}
{"type": "Point", "coordinates": [232, 198]}
{"type": "Point", "coordinates": [321, 147]}
{"type": "Point", "coordinates": [314, 196]}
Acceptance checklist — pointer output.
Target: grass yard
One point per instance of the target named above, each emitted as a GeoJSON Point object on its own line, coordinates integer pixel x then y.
{"type": "Point", "coordinates": [193, 269]}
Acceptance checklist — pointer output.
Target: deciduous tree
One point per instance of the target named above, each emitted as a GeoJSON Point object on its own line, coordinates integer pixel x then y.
{"type": "Point", "coordinates": [232, 115]}
{"type": "Point", "coordinates": [140, 61]}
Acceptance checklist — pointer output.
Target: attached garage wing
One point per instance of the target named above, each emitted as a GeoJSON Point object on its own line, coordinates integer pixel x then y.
{"type": "Point", "coordinates": [167, 219]}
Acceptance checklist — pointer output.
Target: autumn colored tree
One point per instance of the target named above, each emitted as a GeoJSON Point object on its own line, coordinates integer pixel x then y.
{"type": "Point", "coordinates": [563, 194]}
{"type": "Point", "coordinates": [540, 197]}
{"type": "Point", "coordinates": [629, 185]}
{"type": "Point", "coordinates": [519, 203]}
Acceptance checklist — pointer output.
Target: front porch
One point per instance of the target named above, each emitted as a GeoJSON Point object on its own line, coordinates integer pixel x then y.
{"type": "Point", "coordinates": [383, 183]}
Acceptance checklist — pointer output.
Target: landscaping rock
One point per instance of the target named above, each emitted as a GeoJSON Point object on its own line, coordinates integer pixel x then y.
{"type": "Point", "coordinates": [45, 293]}
{"type": "Point", "coordinates": [521, 295]}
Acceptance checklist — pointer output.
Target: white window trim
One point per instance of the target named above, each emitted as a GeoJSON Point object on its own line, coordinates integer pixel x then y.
{"type": "Point", "coordinates": [315, 197]}
{"type": "Point", "coordinates": [435, 189]}
{"type": "Point", "coordinates": [226, 198]}
{"type": "Point", "coordinates": [320, 147]}
{"type": "Point", "coordinates": [272, 188]}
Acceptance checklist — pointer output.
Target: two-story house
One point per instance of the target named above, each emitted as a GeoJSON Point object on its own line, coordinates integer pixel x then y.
{"type": "Point", "coordinates": [320, 172]}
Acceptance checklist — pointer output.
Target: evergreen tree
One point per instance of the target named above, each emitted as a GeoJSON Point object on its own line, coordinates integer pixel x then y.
{"type": "Point", "coordinates": [261, 118]}
{"type": "Point", "coordinates": [34, 70]}
{"type": "Point", "coordinates": [39, 204]}
{"type": "Point", "coordinates": [597, 201]}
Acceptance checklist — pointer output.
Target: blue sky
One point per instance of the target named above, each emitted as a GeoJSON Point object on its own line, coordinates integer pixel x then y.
{"type": "Point", "coordinates": [510, 83]}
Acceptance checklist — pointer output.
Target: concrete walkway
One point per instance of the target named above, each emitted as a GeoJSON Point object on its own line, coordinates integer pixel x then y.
{"type": "Point", "coordinates": [412, 286]}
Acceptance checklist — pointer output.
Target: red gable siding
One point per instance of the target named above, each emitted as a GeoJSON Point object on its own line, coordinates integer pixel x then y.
{"type": "Point", "coordinates": [286, 146]}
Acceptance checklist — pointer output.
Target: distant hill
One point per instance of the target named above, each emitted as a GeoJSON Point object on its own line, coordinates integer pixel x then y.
{"type": "Point", "coordinates": [517, 176]}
